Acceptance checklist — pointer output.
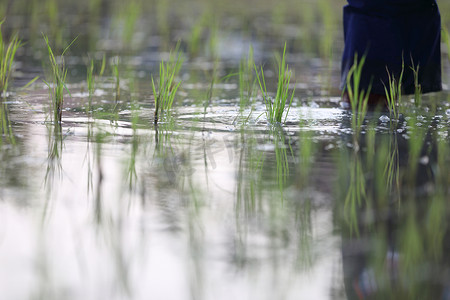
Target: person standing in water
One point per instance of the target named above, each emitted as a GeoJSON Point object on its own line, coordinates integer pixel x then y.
{"type": "Point", "coordinates": [392, 34]}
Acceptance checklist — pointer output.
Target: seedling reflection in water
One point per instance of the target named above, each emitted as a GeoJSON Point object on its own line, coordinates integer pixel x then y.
{"type": "Point", "coordinates": [249, 173]}
{"type": "Point", "coordinates": [417, 131]}
{"type": "Point", "coordinates": [306, 153]}
{"type": "Point", "coordinates": [132, 175]}
{"type": "Point", "coordinates": [283, 151]}
{"type": "Point", "coordinates": [165, 89]}
{"type": "Point", "coordinates": [275, 108]}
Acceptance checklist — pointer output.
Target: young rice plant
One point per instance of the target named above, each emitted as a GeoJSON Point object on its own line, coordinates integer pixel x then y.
{"type": "Point", "coordinates": [58, 85]}
{"type": "Point", "coordinates": [394, 92]}
{"type": "Point", "coordinates": [358, 98]}
{"type": "Point", "coordinates": [165, 89]}
{"type": "Point", "coordinates": [276, 107]}
{"type": "Point", "coordinates": [7, 54]}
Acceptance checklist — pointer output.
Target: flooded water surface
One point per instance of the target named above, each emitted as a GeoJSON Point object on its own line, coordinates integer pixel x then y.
{"type": "Point", "coordinates": [214, 201]}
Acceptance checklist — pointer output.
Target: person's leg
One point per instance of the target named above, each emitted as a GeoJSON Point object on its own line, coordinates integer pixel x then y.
{"type": "Point", "coordinates": [390, 33]}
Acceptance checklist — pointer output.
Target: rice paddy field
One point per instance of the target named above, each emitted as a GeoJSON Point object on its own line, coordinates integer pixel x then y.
{"type": "Point", "coordinates": [194, 149]}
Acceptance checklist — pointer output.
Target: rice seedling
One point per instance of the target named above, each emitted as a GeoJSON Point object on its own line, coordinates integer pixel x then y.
{"type": "Point", "coordinates": [326, 40]}
{"type": "Point", "coordinates": [391, 156]}
{"type": "Point", "coordinates": [58, 85]}
{"type": "Point", "coordinates": [90, 124]}
{"type": "Point", "coordinates": [247, 81]}
{"type": "Point", "coordinates": [308, 15]}
{"type": "Point", "coordinates": [90, 81]}
{"type": "Point", "coordinates": [358, 98]}
{"type": "Point", "coordinates": [394, 93]}
{"type": "Point", "coordinates": [132, 13]}
{"type": "Point", "coordinates": [165, 89]}
{"type": "Point", "coordinates": [206, 22]}
{"type": "Point", "coordinates": [162, 20]}
{"type": "Point", "coordinates": [382, 171]}
{"type": "Point", "coordinates": [116, 76]}
{"type": "Point", "coordinates": [195, 36]}
{"type": "Point", "coordinates": [213, 39]}
{"type": "Point", "coordinates": [7, 55]}
{"type": "Point", "coordinates": [91, 78]}
{"type": "Point", "coordinates": [94, 7]}
{"type": "Point", "coordinates": [417, 85]}
{"type": "Point", "coordinates": [124, 22]}
{"type": "Point", "coordinates": [279, 14]}
{"type": "Point", "coordinates": [214, 79]}
{"type": "Point", "coordinates": [56, 29]}
{"type": "Point", "coordinates": [328, 35]}
{"type": "Point", "coordinates": [276, 107]}
{"type": "Point", "coordinates": [103, 66]}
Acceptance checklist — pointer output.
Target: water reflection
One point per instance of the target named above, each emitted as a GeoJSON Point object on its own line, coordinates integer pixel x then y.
{"type": "Point", "coordinates": [394, 240]}
{"type": "Point", "coordinates": [5, 123]}
{"type": "Point", "coordinates": [309, 210]}
{"type": "Point", "coordinates": [98, 200]}
{"type": "Point", "coordinates": [132, 176]}
{"type": "Point", "coordinates": [54, 172]}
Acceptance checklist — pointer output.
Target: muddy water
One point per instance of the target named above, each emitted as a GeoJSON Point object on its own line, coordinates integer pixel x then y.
{"type": "Point", "coordinates": [214, 202]}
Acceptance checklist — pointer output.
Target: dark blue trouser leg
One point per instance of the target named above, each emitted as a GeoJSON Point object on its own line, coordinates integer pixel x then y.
{"type": "Point", "coordinates": [389, 32]}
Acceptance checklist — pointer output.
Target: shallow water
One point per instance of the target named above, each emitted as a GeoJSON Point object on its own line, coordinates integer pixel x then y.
{"type": "Point", "coordinates": [214, 202]}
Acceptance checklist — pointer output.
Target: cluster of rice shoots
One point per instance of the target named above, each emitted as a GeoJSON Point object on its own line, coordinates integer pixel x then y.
{"type": "Point", "coordinates": [358, 97]}
{"type": "Point", "coordinates": [276, 107]}
{"type": "Point", "coordinates": [116, 76]}
{"type": "Point", "coordinates": [394, 92]}
{"type": "Point", "coordinates": [7, 54]}
{"type": "Point", "coordinates": [247, 82]}
{"type": "Point", "coordinates": [165, 88]}
{"type": "Point", "coordinates": [91, 78]}
{"type": "Point", "coordinates": [133, 11]}
{"type": "Point", "coordinates": [58, 84]}
{"type": "Point", "coordinates": [417, 86]}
